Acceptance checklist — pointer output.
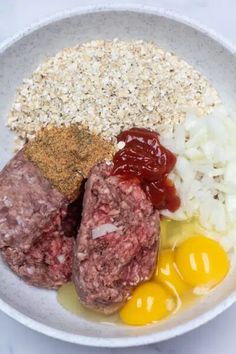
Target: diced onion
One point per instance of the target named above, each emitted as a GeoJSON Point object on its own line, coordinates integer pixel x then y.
{"type": "Point", "coordinates": [61, 258]}
{"type": "Point", "coordinates": [205, 171]}
{"type": "Point", "coordinates": [104, 229]}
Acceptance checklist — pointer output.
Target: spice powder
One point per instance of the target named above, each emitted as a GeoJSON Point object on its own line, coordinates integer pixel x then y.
{"type": "Point", "coordinates": [65, 155]}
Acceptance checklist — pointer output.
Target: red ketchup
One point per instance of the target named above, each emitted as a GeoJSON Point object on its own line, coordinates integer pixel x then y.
{"type": "Point", "coordinates": [144, 158]}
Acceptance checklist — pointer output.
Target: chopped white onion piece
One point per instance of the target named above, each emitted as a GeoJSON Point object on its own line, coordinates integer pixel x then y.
{"type": "Point", "coordinates": [205, 171]}
{"type": "Point", "coordinates": [104, 229]}
{"type": "Point", "coordinates": [61, 258]}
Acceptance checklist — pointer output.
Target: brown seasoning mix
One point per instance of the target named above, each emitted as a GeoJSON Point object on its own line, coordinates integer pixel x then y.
{"type": "Point", "coordinates": [65, 155]}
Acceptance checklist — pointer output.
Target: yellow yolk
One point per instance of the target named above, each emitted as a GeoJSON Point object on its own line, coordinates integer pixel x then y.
{"type": "Point", "coordinates": [202, 261]}
{"type": "Point", "coordinates": [187, 259]}
{"type": "Point", "coordinates": [167, 272]}
{"type": "Point", "coordinates": [149, 303]}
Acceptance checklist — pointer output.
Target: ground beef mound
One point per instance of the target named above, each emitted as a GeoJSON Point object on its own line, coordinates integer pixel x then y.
{"type": "Point", "coordinates": [37, 225]}
{"type": "Point", "coordinates": [108, 268]}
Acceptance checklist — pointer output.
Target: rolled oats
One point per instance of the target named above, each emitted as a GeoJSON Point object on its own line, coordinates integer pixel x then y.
{"type": "Point", "coordinates": [110, 86]}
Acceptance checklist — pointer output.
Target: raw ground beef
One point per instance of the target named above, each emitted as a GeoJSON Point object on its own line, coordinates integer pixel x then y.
{"type": "Point", "coordinates": [108, 268]}
{"type": "Point", "coordinates": [37, 225]}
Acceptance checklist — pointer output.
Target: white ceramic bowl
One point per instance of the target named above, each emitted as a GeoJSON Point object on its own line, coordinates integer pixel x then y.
{"type": "Point", "coordinates": [37, 308]}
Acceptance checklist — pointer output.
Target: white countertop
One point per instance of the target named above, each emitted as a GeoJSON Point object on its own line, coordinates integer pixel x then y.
{"type": "Point", "coordinates": [216, 337]}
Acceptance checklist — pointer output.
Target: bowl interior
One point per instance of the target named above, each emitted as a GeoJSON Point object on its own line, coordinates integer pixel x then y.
{"type": "Point", "coordinates": [38, 308]}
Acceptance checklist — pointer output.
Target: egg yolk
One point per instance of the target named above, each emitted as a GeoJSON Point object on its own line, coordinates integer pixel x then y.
{"type": "Point", "coordinates": [149, 303]}
{"type": "Point", "coordinates": [167, 272]}
{"type": "Point", "coordinates": [202, 261]}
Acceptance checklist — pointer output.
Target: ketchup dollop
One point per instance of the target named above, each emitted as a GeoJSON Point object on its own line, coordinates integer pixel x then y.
{"type": "Point", "coordinates": [145, 159]}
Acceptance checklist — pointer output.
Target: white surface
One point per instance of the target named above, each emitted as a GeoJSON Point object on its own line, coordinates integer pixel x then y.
{"type": "Point", "coordinates": [214, 337]}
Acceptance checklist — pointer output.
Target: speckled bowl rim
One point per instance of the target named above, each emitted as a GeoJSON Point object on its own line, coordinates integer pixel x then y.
{"type": "Point", "coordinates": [133, 340]}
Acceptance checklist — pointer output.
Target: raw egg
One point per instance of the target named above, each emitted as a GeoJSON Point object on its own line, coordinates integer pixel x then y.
{"type": "Point", "coordinates": [168, 273]}
{"type": "Point", "coordinates": [173, 232]}
{"type": "Point", "coordinates": [202, 261]}
{"type": "Point", "coordinates": [149, 303]}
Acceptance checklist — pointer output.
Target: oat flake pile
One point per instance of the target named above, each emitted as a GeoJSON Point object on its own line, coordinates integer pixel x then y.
{"type": "Point", "coordinates": [110, 86]}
